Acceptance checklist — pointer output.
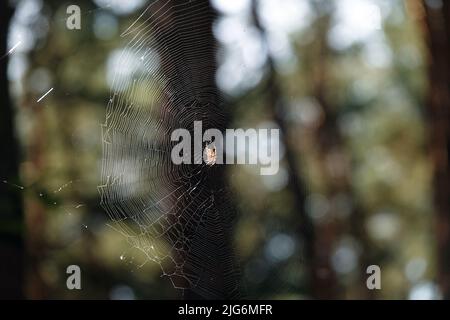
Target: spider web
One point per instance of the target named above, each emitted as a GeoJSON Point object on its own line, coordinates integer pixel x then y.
{"type": "Point", "coordinates": [180, 216]}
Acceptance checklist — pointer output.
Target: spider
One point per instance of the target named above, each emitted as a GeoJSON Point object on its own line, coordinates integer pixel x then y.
{"type": "Point", "coordinates": [211, 155]}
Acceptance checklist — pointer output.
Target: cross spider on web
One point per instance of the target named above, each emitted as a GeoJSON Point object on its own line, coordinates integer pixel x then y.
{"type": "Point", "coordinates": [211, 154]}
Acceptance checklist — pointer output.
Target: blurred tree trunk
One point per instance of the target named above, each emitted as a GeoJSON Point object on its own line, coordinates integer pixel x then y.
{"type": "Point", "coordinates": [335, 164]}
{"type": "Point", "coordinates": [277, 108]}
{"type": "Point", "coordinates": [188, 60]}
{"type": "Point", "coordinates": [11, 215]}
{"type": "Point", "coordinates": [330, 158]}
{"type": "Point", "coordinates": [437, 33]}
{"type": "Point", "coordinates": [319, 238]}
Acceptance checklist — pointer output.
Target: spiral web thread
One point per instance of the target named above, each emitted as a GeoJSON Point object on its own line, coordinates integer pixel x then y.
{"type": "Point", "coordinates": [179, 215]}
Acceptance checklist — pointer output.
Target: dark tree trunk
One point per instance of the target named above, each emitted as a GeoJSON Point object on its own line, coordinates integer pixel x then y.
{"type": "Point", "coordinates": [437, 33]}
{"type": "Point", "coordinates": [11, 216]}
{"type": "Point", "coordinates": [188, 60]}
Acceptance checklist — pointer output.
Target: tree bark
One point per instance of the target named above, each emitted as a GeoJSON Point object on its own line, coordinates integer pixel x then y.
{"type": "Point", "coordinates": [436, 24]}
{"type": "Point", "coordinates": [187, 48]}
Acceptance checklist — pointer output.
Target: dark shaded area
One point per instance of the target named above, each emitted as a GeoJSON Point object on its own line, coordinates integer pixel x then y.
{"type": "Point", "coordinates": [11, 214]}
{"type": "Point", "coordinates": [437, 31]}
